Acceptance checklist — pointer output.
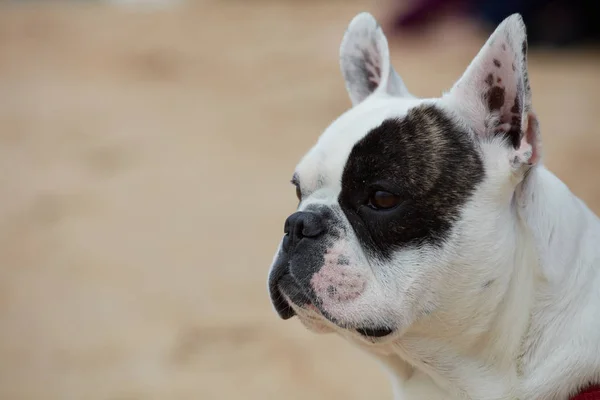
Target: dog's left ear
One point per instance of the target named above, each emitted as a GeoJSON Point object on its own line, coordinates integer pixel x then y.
{"type": "Point", "coordinates": [365, 61]}
{"type": "Point", "coordinates": [494, 97]}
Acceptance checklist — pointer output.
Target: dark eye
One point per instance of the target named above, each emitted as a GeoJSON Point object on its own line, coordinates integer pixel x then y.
{"type": "Point", "coordinates": [382, 200]}
{"type": "Point", "coordinates": [298, 193]}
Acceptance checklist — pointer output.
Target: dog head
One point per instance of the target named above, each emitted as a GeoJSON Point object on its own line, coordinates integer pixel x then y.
{"type": "Point", "coordinates": [403, 202]}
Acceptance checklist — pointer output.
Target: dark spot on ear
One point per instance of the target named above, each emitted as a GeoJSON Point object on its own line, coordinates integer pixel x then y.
{"type": "Point", "coordinates": [514, 132]}
{"type": "Point", "coordinates": [516, 108]}
{"type": "Point", "coordinates": [504, 46]}
{"type": "Point", "coordinates": [497, 63]}
{"type": "Point", "coordinates": [524, 47]}
{"type": "Point", "coordinates": [495, 98]}
{"type": "Point", "coordinates": [343, 260]}
{"type": "Point", "coordinates": [513, 67]}
{"type": "Point", "coordinates": [489, 80]}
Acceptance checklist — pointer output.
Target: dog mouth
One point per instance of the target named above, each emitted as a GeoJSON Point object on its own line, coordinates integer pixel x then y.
{"type": "Point", "coordinates": [284, 292]}
{"type": "Point", "coordinates": [287, 292]}
{"type": "Point", "coordinates": [375, 332]}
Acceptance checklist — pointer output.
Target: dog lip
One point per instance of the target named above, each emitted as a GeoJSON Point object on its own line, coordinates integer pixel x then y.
{"type": "Point", "coordinates": [278, 300]}
{"type": "Point", "coordinates": [284, 310]}
{"type": "Point", "coordinates": [280, 303]}
{"type": "Point", "coordinates": [285, 291]}
{"type": "Point", "coordinates": [375, 332]}
{"type": "Point", "coordinates": [292, 292]}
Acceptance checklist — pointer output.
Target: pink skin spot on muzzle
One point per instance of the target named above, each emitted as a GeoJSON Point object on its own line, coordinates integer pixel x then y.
{"type": "Point", "coordinates": [336, 282]}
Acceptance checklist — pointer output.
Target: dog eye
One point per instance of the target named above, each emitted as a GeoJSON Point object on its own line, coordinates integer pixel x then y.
{"type": "Point", "coordinates": [382, 200]}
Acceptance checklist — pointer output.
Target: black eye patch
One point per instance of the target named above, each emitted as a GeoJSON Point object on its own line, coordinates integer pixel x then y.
{"type": "Point", "coordinates": [427, 160]}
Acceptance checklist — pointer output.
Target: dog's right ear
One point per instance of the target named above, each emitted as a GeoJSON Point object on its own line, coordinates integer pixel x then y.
{"type": "Point", "coordinates": [365, 61]}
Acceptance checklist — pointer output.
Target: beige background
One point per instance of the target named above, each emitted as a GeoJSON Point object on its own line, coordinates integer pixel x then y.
{"type": "Point", "coordinates": [144, 168]}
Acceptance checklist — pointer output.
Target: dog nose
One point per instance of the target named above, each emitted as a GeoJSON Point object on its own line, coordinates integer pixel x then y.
{"type": "Point", "coordinates": [300, 225]}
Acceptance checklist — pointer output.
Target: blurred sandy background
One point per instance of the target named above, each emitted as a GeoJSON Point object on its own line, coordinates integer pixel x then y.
{"type": "Point", "coordinates": [144, 168]}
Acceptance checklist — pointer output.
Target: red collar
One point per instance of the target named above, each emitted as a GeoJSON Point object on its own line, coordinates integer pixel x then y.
{"type": "Point", "coordinates": [591, 393]}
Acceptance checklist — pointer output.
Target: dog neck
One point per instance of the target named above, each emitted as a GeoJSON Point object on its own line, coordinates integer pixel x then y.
{"type": "Point", "coordinates": [561, 352]}
{"type": "Point", "coordinates": [502, 347]}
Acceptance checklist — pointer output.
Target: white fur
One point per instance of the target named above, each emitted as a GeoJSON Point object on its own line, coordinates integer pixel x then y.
{"type": "Point", "coordinates": [534, 333]}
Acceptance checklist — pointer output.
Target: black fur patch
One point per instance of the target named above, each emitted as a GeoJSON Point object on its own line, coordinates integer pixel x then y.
{"type": "Point", "coordinates": [424, 158]}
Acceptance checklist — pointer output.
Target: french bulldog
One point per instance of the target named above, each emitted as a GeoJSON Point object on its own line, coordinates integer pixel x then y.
{"type": "Point", "coordinates": [430, 234]}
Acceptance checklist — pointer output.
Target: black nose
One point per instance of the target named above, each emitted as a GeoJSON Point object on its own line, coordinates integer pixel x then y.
{"type": "Point", "coordinates": [300, 225]}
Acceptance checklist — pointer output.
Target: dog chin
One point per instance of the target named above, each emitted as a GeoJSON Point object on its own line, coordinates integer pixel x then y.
{"type": "Point", "coordinates": [313, 320]}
